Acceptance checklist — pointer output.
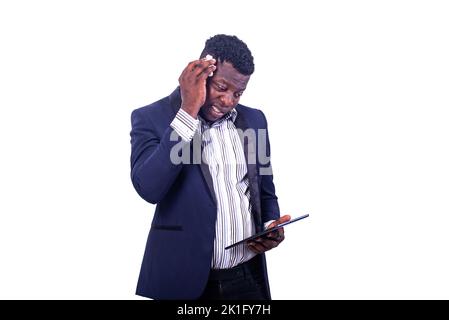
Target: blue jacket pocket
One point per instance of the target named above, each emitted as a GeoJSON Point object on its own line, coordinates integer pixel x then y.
{"type": "Point", "coordinates": [166, 227]}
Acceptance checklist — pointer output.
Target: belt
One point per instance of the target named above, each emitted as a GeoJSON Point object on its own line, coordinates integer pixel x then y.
{"type": "Point", "coordinates": [241, 270]}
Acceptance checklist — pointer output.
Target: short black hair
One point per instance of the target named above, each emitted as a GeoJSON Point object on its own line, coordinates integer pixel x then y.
{"type": "Point", "coordinates": [231, 49]}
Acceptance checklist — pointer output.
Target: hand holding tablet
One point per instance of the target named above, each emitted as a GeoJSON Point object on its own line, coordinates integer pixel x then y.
{"type": "Point", "coordinates": [265, 233]}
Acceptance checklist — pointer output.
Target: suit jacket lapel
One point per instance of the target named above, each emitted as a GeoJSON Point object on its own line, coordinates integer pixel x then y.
{"type": "Point", "coordinates": [205, 170]}
{"type": "Point", "coordinates": [249, 148]}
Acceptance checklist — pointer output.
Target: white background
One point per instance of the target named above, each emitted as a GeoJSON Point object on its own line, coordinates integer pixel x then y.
{"type": "Point", "coordinates": [356, 94]}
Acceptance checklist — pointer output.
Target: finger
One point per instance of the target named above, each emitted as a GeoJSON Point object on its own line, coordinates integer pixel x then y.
{"type": "Point", "coordinates": [258, 248]}
{"type": "Point", "coordinates": [208, 71]}
{"type": "Point", "coordinates": [282, 219]}
{"type": "Point", "coordinates": [195, 71]}
{"type": "Point", "coordinates": [188, 69]}
{"type": "Point", "coordinates": [266, 244]}
{"type": "Point", "coordinates": [270, 243]}
{"type": "Point", "coordinates": [198, 65]}
{"type": "Point", "coordinates": [277, 239]}
{"type": "Point", "coordinates": [280, 233]}
{"type": "Point", "coordinates": [277, 236]}
{"type": "Point", "coordinates": [195, 67]}
{"type": "Point", "coordinates": [257, 244]}
{"type": "Point", "coordinates": [273, 234]}
{"type": "Point", "coordinates": [252, 248]}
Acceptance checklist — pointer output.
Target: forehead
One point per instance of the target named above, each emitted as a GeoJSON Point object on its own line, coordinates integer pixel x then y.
{"type": "Point", "coordinates": [227, 74]}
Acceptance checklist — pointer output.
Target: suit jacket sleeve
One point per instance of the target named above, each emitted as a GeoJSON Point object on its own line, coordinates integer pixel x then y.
{"type": "Point", "coordinates": [152, 171]}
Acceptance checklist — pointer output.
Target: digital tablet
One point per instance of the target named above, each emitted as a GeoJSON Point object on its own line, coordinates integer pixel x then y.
{"type": "Point", "coordinates": [267, 231]}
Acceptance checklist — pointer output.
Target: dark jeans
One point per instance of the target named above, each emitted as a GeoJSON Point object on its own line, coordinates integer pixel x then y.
{"type": "Point", "coordinates": [243, 282]}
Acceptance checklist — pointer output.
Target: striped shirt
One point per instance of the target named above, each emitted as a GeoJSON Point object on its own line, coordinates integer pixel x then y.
{"type": "Point", "coordinates": [223, 152]}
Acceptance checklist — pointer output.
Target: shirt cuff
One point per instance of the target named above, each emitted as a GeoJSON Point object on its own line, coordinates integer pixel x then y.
{"type": "Point", "coordinates": [184, 125]}
{"type": "Point", "coordinates": [266, 224]}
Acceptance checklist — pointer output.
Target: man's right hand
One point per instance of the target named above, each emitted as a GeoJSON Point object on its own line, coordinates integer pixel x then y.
{"type": "Point", "coordinates": [193, 85]}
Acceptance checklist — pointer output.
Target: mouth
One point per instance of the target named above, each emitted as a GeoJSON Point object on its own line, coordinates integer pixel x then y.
{"type": "Point", "coordinates": [216, 111]}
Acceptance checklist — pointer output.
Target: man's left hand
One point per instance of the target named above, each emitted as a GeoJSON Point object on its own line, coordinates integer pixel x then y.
{"type": "Point", "coordinates": [270, 241]}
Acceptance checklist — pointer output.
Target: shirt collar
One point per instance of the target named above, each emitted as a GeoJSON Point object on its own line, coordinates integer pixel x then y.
{"type": "Point", "coordinates": [231, 115]}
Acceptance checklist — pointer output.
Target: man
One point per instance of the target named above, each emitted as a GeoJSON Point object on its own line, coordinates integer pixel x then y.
{"type": "Point", "coordinates": [206, 205]}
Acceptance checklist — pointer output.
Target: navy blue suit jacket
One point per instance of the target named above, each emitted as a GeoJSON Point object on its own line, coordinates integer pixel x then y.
{"type": "Point", "coordinates": [179, 248]}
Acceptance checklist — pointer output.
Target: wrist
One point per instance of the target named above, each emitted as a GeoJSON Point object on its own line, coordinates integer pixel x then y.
{"type": "Point", "coordinates": [193, 112]}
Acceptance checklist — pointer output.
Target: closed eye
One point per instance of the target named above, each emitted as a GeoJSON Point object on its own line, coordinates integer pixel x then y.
{"type": "Point", "coordinates": [220, 87]}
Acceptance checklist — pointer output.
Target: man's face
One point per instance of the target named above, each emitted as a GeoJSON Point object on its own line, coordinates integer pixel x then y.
{"type": "Point", "coordinates": [223, 91]}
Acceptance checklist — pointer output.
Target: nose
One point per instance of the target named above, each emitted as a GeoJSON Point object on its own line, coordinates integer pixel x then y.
{"type": "Point", "coordinates": [227, 100]}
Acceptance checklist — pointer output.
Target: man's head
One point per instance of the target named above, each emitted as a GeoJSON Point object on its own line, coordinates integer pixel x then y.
{"type": "Point", "coordinates": [234, 68]}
